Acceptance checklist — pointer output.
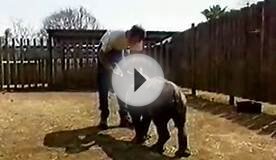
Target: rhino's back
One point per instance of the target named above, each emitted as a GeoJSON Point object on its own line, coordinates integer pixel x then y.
{"type": "Point", "coordinates": [166, 99]}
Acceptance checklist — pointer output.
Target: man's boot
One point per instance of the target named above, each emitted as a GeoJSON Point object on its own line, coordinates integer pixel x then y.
{"type": "Point", "coordinates": [103, 124]}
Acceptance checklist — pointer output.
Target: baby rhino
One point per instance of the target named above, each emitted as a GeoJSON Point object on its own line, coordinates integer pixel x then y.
{"type": "Point", "coordinates": [171, 104]}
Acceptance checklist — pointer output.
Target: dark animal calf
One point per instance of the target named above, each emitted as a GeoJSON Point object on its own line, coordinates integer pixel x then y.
{"type": "Point", "coordinates": [171, 104]}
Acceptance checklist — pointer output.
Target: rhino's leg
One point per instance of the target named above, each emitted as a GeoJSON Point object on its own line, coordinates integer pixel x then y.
{"type": "Point", "coordinates": [180, 120]}
{"type": "Point", "coordinates": [144, 125]}
{"type": "Point", "coordinates": [138, 126]}
{"type": "Point", "coordinates": [163, 134]}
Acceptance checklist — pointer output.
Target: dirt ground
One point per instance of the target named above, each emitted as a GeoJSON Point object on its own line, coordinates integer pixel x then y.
{"type": "Point", "coordinates": [59, 126]}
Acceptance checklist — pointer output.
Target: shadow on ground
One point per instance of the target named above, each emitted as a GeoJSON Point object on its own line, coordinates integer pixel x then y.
{"type": "Point", "coordinates": [76, 141]}
{"type": "Point", "coordinates": [263, 124]}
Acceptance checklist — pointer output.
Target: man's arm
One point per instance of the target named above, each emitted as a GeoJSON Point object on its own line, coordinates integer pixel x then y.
{"type": "Point", "coordinates": [103, 50]}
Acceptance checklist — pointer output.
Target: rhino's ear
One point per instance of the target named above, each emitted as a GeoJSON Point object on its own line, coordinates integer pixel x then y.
{"type": "Point", "coordinates": [183, 98]}
{"type": "Point", "coordinates": [180, 96]}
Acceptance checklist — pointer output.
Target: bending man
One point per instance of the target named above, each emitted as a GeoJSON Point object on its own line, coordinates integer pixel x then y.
{"type": "Point", "coordinates": [111, 46]}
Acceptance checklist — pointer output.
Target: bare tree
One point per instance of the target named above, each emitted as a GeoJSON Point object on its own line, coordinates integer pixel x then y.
{"type": "Point", "coordinates": [71, 19]}
{"type": "Point", "coordinates": [21, 30]}
{"type": "Point", "coordinates": [18, 30]}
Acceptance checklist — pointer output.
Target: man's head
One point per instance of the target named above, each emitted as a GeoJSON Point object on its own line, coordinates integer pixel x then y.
{"type": "Point", "coordinates": [135, 35]}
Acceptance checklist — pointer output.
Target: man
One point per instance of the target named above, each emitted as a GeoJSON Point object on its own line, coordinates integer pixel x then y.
{"type": "Point", "coordinates": [111, 46]}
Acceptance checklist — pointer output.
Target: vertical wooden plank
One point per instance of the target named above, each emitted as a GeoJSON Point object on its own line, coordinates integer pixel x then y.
{"type": "Point", "coordinates": [4, 63]}
{"type": "Point", "coordinates": [35, 64]}
{"type": "Point", "coordinates": [40, 74]}
{"type": "Point", "coordinates": [265, 65]}
{"type": "Point", "coordinates": [193, 60]}
{"type": "Point", "coordinates": [236, 37]}
{"type": "Point", "coordinates": [64, 64]}
{"type": "Point", "coordinates": [89, 46]}
{"type": "Point", "coordinates": [46, 64]}
{"type": "Point", "coordinates": [67, 58]}
{"type": "Point", "coordinates": [20, 66]}
{"type": "Point", "coordinates": [13, 65]}
{"type": "Point", "coordinates": [215, 55]}
{"type": "Point", "coordinates": [50, 62]}
{"type": "Point", "coordinates": [56, 57]}
{"type": "Point", "coordinates": [2, 66]}
{"type": "Point", "coordinates": [94, 53]}
{"type": "Point", "coordinates": [8, 66]}
{"type": "Point", "coordinates": [76, 53]}
{"type": "Point", "coordinates": [16, 62]}
{"type": "Point", "coordinates": [27, 65]}
{"type": "Point", "coordinates": [53, 68]}
{"type": "Point", "coordinates": [263, 90]}
{"type": "Point", "coordinates": [244, 57]}
{"type": "Point", "coordinates": [220, 58]}
{"type": "Point", "coordinates": [36, 72]}
{"type": "Point", "coordinates": [82, 53]}
{"type": "Point", "coordinates": [44, 71]}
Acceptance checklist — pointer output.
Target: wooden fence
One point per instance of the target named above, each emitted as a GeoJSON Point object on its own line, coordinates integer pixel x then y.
{"type": "Point", "coordinates": [23, 64]}
{"type": "Point", "coordinates": [234, 55]}
{"type": "Point", "coordinates": [69, 65]}
{"type": "Point", "coordinates": [26, 64]}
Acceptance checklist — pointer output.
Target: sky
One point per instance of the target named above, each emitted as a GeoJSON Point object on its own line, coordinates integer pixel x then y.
{"type": "Point", "coordinates": [159, 15]}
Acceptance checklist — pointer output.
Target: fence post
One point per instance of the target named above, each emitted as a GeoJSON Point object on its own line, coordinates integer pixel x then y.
{"type": "Point", "coordinates": [50, 62]}
{"type": "Point", "coordinates": [22, 66]}
{"type": "Point", "coordinates": [1, 66]}
{"type": "Point", "coordinates": [193, 59]}
{"type": "Point", "coordinates": [14, 68]}
{"type": "Point", "coordinates": [262, 76]}
{"type": "Point", "coordinates": [36, 65]}
{"type": "Point", "coordinates": [40, 68]}
{"type": "Point", "coordinates": [8, 64]}
{"type": "Point", "coordinates": [28, 63]}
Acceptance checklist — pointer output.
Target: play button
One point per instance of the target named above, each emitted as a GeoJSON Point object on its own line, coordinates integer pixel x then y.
{"type": "Point", "coordinates": [134, 80]}
{"type": "Point", "coordinates": [139, 80]}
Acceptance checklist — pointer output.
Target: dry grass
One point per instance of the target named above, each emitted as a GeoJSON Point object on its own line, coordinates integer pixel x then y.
{"type": "Point", "coordinates": [215, 132]}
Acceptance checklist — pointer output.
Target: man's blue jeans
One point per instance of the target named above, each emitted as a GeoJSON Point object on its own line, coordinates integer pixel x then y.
{"type": "Point", "coordinates": [104, 84]}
